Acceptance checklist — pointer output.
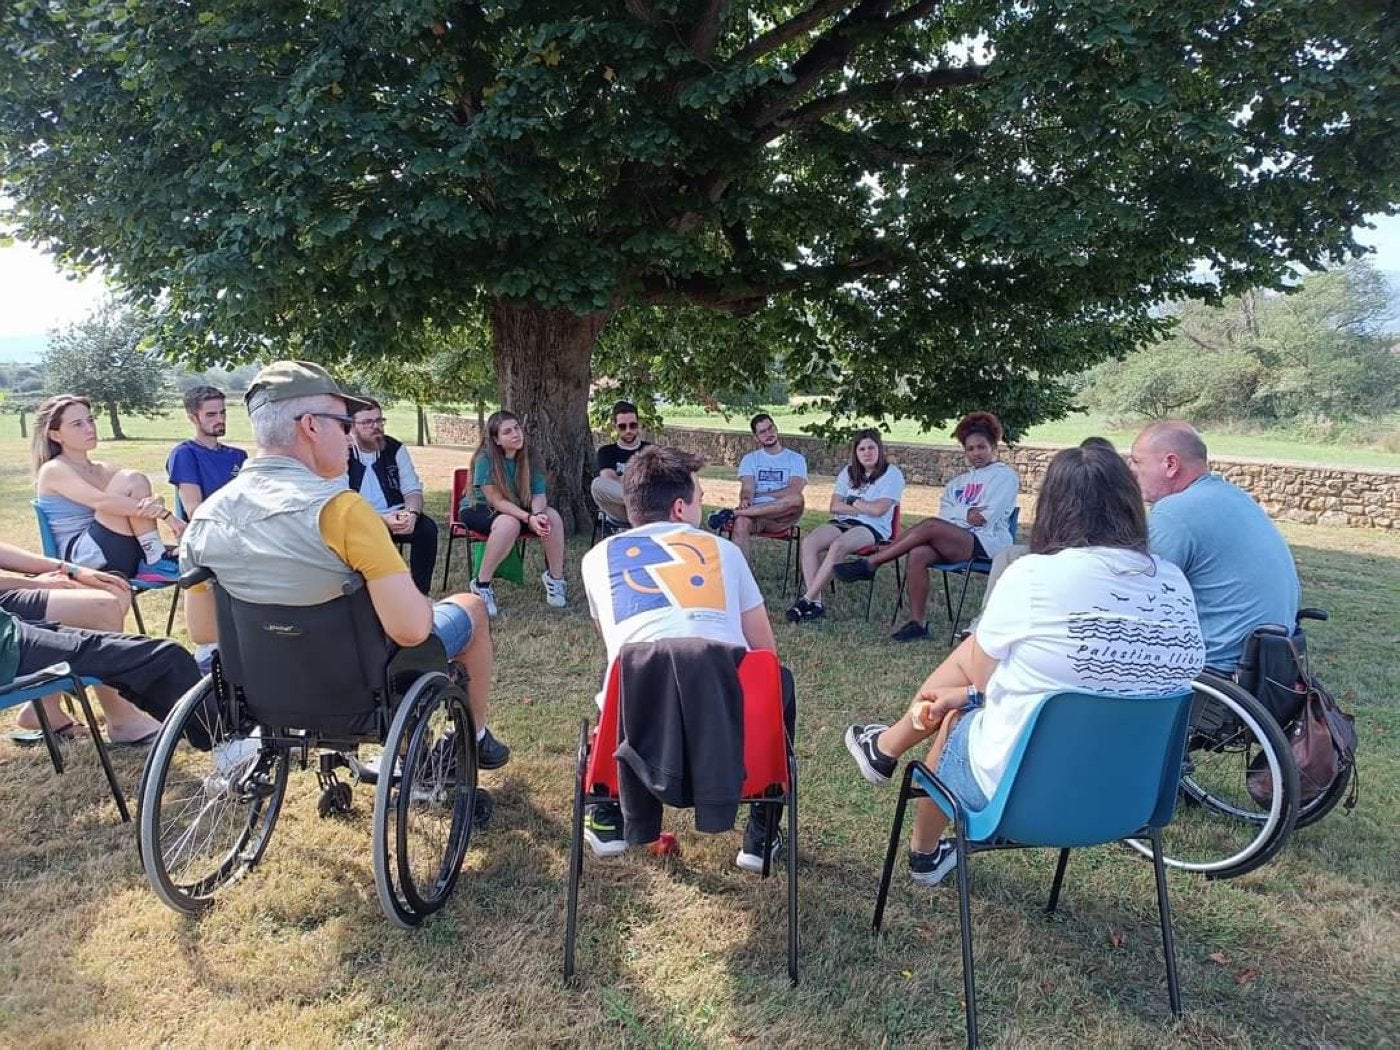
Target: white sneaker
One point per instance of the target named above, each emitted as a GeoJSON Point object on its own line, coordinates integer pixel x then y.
{"type": "Point", "coordinates": [554, 590]}
{"type": "Point", "coordinates": [487, 595]}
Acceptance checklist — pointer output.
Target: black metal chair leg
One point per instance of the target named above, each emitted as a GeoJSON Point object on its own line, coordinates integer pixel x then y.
{"type": "Point", "coordinates": [962, 600]}
{"type": "Point", "coordinates": [898, 826]}
{"type": "Point", "coordinates": [136, 611]}
{"type": "Point", "coordinates": [575, 854]}
{"type": "Point", "coordinates": [1164, 912]}
{"type": "Point", "coordinates": [447, 562]}
{"type": "Point", "coordinates": [117, 795]}
{"type": "Point", "coordinates": [792, 869]}
{"type": "Point", "coordinates": [965, 922]}
{"type": "Point", "coordinates": [174, 604]}
{"type": "Point", "coordinates": [46, 728]}
{"type": "Point", "coordinates": [1059, 881]}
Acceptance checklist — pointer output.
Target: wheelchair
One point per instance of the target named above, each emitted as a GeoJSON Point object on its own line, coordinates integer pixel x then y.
{"type": "Point", "coordinates": [288, 681]}
{"type": "Point", "coordinates": [1238, 724]}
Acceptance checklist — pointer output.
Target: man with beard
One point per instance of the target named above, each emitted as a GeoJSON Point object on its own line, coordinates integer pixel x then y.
{"type": "Point", "coordinates": [771, 479]}
{"type": "Point", "coordinates": [201, 466]}
{"type": "Point", "coordinates": [382, 473]}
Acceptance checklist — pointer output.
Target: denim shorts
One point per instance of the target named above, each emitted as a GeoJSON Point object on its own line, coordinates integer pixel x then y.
{"type": "Point", "coordinates": [954, 769]}
{"type": "Point", "coordinates": [452, 626]}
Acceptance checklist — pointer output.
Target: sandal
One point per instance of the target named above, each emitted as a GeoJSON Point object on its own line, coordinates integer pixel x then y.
{"type": "Point", "coordinates": [34, 737]}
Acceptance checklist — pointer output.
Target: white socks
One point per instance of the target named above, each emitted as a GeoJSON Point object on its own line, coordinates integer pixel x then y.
{"type": "Point", "coordinates": [151, 546]}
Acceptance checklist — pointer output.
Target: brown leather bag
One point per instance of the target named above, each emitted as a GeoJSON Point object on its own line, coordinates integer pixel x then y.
{"type": "Point", "coordinates": [1314, 753]}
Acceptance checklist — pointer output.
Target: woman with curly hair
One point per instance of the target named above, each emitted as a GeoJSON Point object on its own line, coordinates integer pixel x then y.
{"type": "Point", "coordinates": [971, 522]}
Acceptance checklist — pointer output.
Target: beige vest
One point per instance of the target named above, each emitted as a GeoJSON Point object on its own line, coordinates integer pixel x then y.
{"type": "Point", "coordinates": [261, 534]}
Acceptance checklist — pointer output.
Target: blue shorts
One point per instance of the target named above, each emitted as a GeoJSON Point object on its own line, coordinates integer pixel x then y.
{"type": "Point", "coordinates": [954, 769]}
{"type": "Point", "coordinates": [452, 626]}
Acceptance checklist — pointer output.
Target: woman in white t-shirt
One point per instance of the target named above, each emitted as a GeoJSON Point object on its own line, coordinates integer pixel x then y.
{"type": "Point", "coordinates": [972, 521]}
{"type": "Point", "coordinates": [1088, 609]}
{"type": "Point", "coordinates": [863, 503]}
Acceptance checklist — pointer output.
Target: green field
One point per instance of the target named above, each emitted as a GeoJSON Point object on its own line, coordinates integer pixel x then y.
{"type": "Point", "coordinates": [1071, 431]}
{"type": "Point", "coordinates": [688, 952]}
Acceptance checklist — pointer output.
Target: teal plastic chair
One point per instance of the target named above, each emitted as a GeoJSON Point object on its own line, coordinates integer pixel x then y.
{"type": "Point", "coordinates": [60, 677]}
{"type": "Point", "coordinates": [143, 581]}
{"type": "Point", "coordinates": [965, 569]}
{"type": "Point", "coordinates": [1088, 769]}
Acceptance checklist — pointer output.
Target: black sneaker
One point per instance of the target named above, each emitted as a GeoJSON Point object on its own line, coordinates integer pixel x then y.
{"type": "Point", "coordinates": [798, 610]}
{"type": "Point", "coordinates": [876, 766]}
{"type": "Point", "coordinates": [929, 869]}
{"type": "Point", "coordinates": [910, 632]}
{"type": "Point", "coordinates": [750, 856]}
{"type": "Point", "coordinates": [720, 519]}
{"type": "Point", "coordinates": [814, 613]}
{"type": "Point", "coordinates": [854, 570]}
{"type": "Point", "coordinates": [490, 752]}
{"type": "Point", "coordinates": [602, 829]}
{"type": "Point", "coordinates": [481, 812]}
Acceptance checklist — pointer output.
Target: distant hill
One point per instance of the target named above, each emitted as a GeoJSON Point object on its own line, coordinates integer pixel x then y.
{"type": "Point", "coordinates": [25, 349]}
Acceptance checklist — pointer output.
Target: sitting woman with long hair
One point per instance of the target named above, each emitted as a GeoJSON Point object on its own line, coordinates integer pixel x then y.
{"type": "Point", "coordinates": [1088, 609]}
{"type": "Point", "coordinates": [508, 496]}
{"type": "Point", "coordinates": [102, 516]}
{"type": "Point", "coordinates": [971, 522]}
{"type": "Point", "coordinates": [863, 502]}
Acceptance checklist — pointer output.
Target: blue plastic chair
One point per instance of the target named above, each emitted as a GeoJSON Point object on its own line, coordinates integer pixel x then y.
{"type": "Point", "coordinates": [1088, 769]}
{"type": "Point", "coordinates": [141, 583]}
{"type": "Point", "coordinates": [965, 569]}
{"type": "Point", "coordinates": [31, 688]}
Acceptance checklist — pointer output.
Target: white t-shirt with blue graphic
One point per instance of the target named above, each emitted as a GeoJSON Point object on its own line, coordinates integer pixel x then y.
{"type": "Point", "coordinates": [771, 472]}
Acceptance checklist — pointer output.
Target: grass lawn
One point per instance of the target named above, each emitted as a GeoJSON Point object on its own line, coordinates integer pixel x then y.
{"type": "Point", "coordinates": [689, 951]}
{"type": "Point", "coordinates": [1075, 429]}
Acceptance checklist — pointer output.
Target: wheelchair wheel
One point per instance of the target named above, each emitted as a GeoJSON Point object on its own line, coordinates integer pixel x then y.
{"type": "Point", "coordinates": [206, 816]}
{"type": "Point", "coordinates": [423, 809]}
{"type": "Point", "coordinates": [1312, 811]}
{"type": "Point", "coordinates": [1222, 831]}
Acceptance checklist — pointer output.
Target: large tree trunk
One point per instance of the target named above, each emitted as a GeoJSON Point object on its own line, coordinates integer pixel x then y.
{"type": "Point", "coordinates": [117, 434]}
{"type": "Point", "coordinates": [542, 360]}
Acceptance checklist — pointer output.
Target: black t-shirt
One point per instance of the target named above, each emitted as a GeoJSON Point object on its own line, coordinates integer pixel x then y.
{"type": "Point", "coordinates": [612, 457]}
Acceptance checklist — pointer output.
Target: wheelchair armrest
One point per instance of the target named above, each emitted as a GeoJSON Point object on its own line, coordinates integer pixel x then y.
{"type": "Point", "coordinates": [1276, 630]}
{"type": "Point", "coordinates": [195, 577]}
{"type": "Point", "coordinates": [1312, 614]}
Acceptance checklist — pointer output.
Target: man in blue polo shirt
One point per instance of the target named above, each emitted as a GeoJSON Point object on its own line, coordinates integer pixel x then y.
{"type": "Point", "coordinates": [202, 465]}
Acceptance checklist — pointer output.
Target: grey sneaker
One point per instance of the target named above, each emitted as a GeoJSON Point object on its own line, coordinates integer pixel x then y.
{"type": "Point", "coordinates": [554, 590]}
{"type": "Point", "coordinates": [487, 595]}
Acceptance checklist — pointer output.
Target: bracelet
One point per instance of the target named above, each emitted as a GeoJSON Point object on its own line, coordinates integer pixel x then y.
{"type": "Point", "coordinates": [68, 569]}
{"type": "Point", "coordinates": [165, 516]}
{"type": "Point", "coordinates": [975, 699]}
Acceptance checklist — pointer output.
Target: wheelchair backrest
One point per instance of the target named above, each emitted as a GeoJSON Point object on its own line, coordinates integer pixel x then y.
{"type": "Point", "coordinates": [319, 668]}
{"type": "Point", "coordinates": [1270, 673]}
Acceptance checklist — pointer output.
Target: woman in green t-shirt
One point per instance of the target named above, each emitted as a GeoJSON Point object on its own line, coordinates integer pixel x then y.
{"type": "Point", "coordinates": [508, 496]}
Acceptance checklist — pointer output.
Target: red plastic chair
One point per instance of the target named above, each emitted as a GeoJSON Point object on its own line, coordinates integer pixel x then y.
{"type": "Point", "coordinates": [461, 481]}
{"type": "Point", "coordinates": [792, 560]}
{"type": "Point", "coordinates": [867, 551]}
{"type": "Point", "coordinates": [770, 775]}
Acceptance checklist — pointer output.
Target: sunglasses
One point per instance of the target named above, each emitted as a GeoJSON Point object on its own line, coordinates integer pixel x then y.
{"type": "Point", "coordinates": [628, 426]}
{"type": "Point", "coordinates": [346, 422]}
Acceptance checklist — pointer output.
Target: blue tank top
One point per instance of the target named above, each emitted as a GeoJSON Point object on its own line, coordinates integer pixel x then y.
{"type": "Point", "coordinates": [67, 518]}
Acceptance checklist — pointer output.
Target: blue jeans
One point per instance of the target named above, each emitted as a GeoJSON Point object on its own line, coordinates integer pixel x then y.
{"type": "Point", "coordinates": [955, 770]}
{"type": "Point", "coordinates": [452, 626]}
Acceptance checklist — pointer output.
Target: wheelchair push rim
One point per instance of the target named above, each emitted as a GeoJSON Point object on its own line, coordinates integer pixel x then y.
{"type": "Point", "coordinates": [1220, 830]}
{"type": "Point", "coordinates": [424, 801]}
{"type": "Point", "coordinates": [206, 816]}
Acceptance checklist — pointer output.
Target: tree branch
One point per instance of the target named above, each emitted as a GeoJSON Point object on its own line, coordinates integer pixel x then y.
{"type": "Point", "coordinates": [879, 91]}
{"type": "Point", "coordinates": [914, 12]}
{"type": "Point", "coordinates": [641, 11]}
{"type": "Point", "coordinates": [706, 31]}
{"type": "Point", "coordinates": [745, 297]}
{"type": "Point", "coordinates": [789, 30]}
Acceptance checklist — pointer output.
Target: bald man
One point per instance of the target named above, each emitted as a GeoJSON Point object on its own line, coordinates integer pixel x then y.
{"type": "Point", "coordinates": [1237, 562]}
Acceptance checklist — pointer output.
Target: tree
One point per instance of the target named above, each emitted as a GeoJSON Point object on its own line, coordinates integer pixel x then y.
{"type": "Point", "coordinates": [101, 358]}
{"type": "Point", "coordinates": [939, 205]}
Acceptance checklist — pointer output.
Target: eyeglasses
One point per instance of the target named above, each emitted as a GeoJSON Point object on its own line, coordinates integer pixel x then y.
{"type": "Point", "coordinates": [346, 422]}
{"type": "Point", "coordinates": [628, 426]}
{"type": "Point", "coordinates": [370, 422]}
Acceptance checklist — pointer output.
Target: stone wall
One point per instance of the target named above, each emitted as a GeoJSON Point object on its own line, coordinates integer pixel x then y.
{"type": "Point", "coordinates": [1289, 491]}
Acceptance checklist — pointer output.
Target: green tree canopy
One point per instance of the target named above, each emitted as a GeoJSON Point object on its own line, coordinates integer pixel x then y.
{"type": "Point", "coordinates": [938, 205]}
{"type": "Point", "coordinates": [102, 358]}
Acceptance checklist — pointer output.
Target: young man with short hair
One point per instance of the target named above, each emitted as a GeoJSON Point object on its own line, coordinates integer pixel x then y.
{"type": "Point", "coordinates": [201, 466]}
{"type": "Point", "coordinates": [667, 578]}
{"type": "Point", "coordinates": [612, 461]}
{"type": "Point", "coordinates": [771, 480]}
{"type": "Point", "coordinates": [382, 472]}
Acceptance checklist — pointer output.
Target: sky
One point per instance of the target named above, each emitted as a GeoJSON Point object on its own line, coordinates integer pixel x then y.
{"type": "Point", "coordinates": [35, 296]}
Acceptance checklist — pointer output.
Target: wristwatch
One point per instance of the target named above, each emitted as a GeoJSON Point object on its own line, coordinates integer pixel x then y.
{"type": "Point", "coordinates": [851, 499]}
